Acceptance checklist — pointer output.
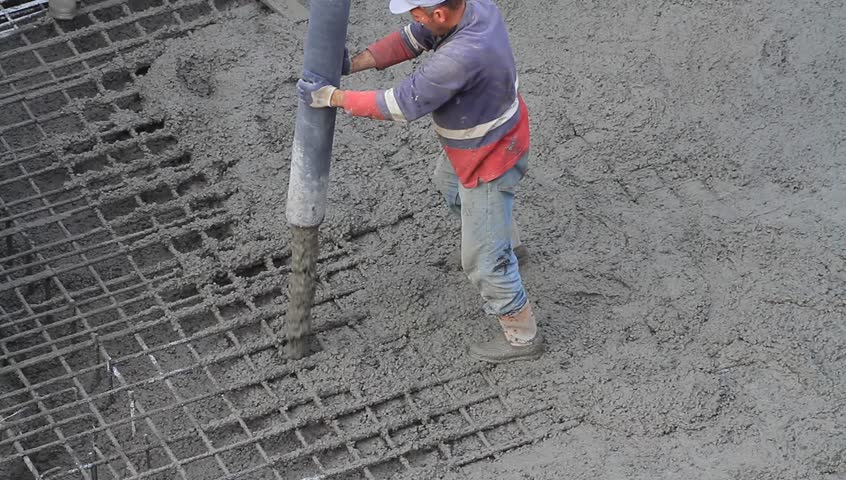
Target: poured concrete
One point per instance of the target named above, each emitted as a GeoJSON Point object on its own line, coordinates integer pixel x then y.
{"type": "Point", "coordinates": [684, 210]}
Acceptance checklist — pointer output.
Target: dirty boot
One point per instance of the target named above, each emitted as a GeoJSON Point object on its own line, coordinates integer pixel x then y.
{"type": "Point", "coordinates": [500, 350]}
{"type": "Point", "coordinates": [521, 340]}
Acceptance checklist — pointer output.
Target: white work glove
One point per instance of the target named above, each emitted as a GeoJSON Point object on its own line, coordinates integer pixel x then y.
{"type": "Point", "coordinates": [315, 90]}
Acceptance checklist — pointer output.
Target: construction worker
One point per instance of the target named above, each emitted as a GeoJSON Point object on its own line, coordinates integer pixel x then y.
{"type": "Point", "coordinates": [469, 85]}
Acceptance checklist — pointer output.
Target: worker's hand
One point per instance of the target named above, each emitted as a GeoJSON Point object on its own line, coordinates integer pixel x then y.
{"type": "Point", "coordinates": [315, 90]}
{"type": "Point", "coordinates": [347, 65]}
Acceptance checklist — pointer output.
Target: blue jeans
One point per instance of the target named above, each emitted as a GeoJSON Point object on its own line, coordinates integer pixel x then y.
{"type": "Point", "coordinates": [487, 256]}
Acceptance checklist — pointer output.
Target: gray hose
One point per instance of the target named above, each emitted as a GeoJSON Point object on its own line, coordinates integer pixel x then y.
{"type": "Point", "coordinates": [315, 127]}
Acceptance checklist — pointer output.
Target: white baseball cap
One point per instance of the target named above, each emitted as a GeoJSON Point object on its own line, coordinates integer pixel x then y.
{"type": "Point", "coordinates": [403, 6]}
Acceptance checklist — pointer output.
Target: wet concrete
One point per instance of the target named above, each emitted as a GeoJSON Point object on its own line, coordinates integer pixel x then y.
{"type": "Point", "coordinates": [301, 287]}
{"type": "Point", "coordinates": [684, 209]}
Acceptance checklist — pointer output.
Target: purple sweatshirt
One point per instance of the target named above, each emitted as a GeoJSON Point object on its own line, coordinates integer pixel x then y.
{"type": "Point", "coordinates": [469, 85]}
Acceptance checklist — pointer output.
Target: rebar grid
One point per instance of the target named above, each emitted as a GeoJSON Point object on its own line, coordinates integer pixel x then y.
{"type": "Point", "coordinates": [241, 418]}
{"type": "Point", "coordinates": [13, 17]}
{"type": "Point", "coordinates": [115, 362]}
{"type": "Point", "coordinates": [48, 340]}
{"type": "Point", "coordinates": [89, 26]}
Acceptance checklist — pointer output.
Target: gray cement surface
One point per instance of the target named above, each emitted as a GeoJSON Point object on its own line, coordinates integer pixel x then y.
{"type": "Point", "coordinates": [684, 207]}
{"type": "Point", "coordinates": [685, 210]}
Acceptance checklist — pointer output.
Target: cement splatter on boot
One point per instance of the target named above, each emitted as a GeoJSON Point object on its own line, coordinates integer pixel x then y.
{"type": "Point", "coordinates": [500, 350]}
{"type": "Point", "coordinates": [520, 340]}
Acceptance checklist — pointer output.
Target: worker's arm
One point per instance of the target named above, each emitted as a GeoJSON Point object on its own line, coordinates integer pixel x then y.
{"type": "Point", "coordinates": [429, 87]}
{"type": "Point", "coordinates": [362, 61]}
{"type": "Point", "coordinates": [437, 81]}
{"type": "Point", "coordinates": [397, 47]}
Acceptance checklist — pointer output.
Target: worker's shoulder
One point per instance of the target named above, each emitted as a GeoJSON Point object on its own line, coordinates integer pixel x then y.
{"type": "Point", "coordinates": [484, 4]}
{"type": "Point", "coordinates": [465, 49]}
{"type": "Point", "coordinates": [457, 60]}
{"type": "Point", "coordinates": [475, 52]}
{"type": "Point", "coordinates": [479, 39]}
{"type": "Point", "coordinates": [448, 63]}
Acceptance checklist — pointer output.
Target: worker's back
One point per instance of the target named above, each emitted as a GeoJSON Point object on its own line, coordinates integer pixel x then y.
{"type": "Point", "coordinates": [480, 44]}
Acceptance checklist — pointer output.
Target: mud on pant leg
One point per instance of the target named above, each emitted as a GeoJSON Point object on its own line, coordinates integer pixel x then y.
{"type": "Point", "coordinates": [487, 254]}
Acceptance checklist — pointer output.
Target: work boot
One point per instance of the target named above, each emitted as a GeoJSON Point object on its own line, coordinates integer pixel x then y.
{"type": "Point", "coordinates": [500, 350]}
{"type": "Point", "coordinates": [520, 340]}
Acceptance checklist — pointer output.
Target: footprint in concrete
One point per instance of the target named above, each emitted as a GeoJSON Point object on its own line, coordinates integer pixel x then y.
{"type": "Point", "coordinates": [196, 74]}
{"type": "Point", "coordinates": [775, 53]}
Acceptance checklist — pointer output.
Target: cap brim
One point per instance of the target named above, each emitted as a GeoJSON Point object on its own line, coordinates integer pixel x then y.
{"type": "Point", "coordinates": [401, 6]}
